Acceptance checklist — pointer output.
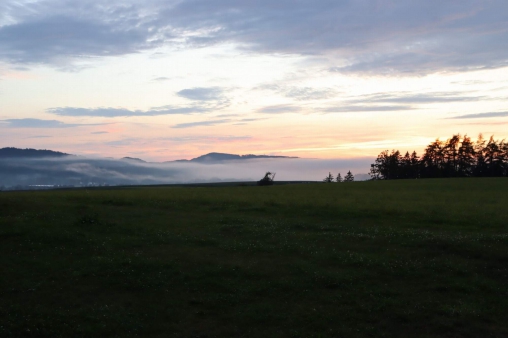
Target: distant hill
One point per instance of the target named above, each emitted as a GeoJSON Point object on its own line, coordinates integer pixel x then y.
{"type": "Point", "coordinates": [362, 177]}
{"type": "Point", "coordinates": [133, 159]}
{"type": "Point", "coordinates": [29, 153]}
{"type": "Point", "coordinates": [218, 157]}
{"type": "Point", "coordinates": [12, 152]}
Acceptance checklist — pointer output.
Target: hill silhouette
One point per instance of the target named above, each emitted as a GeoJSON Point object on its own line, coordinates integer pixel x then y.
{"type": "Point", "coordinates": [133, 159]}
{"type": "Point", "coordinates": [11, 152]}
{"type": "Point", "coordinates": [218, 157]}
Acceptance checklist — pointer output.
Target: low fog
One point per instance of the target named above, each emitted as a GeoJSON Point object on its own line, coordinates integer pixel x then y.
{"type": "Point", "coordinates": [80, 171]}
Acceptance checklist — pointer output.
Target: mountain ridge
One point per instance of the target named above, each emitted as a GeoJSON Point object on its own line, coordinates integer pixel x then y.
{"type": "Point", "coordinates": [12, 152]}
{"type": "Point", "coordinates": [219, 157]}
{"type": "Point", "coordinates": [133, 159]}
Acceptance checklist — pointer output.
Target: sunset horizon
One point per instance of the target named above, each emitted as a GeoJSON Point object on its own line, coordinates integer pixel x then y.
{"type": "Point", "coordinates": [178, 79]}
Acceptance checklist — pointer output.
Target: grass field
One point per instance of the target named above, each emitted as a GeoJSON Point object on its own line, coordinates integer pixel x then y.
{"type": "Point", "coordinates": [415, 258]}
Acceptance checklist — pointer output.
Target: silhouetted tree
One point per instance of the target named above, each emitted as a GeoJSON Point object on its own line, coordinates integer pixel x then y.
{"type": "Point", "coordinates": [414, 165]}
{"type": "Point", "coordinates": [329, 178]}
{"type": "Point", "coordinates": [339, 178]}
{"type": "Point", "coordinates": [466, 158]}
{"type": "Point", "coordinates": [450, 156]}
{"type": "Point", "coordinates": [349, 177]}
{"type": "Point", "coordinates": [504, 155]}
{"type": "Point", "coordinates": [457, 157]}
{"type": "Point", "coordinates": [405, 166]}
{"type": "Point", "coordinates": [432, 160]}
{"type": "Point", "coordinates": [493, 158]}
{"type": "Point", "coordinates": [480, 169]}
{"type": "Point", "coordinates": [268, 179]}
{"type": "Point", "coordinates": [386, 166]}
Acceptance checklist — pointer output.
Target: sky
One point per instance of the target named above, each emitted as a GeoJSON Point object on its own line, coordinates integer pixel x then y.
{"type": "Point", "coordinates": [325, 79]}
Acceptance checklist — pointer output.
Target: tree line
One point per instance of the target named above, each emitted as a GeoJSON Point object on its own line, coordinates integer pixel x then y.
{"type": "Point", "coordinates": [348, 178]}
{"type": "Point", "coordinates": [456, 157]}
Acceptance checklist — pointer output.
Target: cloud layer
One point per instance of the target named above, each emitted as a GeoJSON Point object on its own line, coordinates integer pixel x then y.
{"type": "Point", "coordinates": [371, 36]}
{"type": "Point", "coordinates": [37, 123]}
{"type": "Point", "coordinates": [75, 170]}
{"type": "Point", "coordinates": [480, 115]}
{"type": "Point", "coordinates": [120, 112]}
{"type": "Point", "coordinates": [202, 94]}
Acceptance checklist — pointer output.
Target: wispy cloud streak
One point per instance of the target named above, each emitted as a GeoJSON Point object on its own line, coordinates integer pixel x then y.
{"type": "Point", "coordinates": [479, 116]}
{"type": "Point", "coordinates": [38, 123]}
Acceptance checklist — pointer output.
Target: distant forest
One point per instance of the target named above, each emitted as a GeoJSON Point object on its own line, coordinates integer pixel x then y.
{"type": "Point", "coordinates": [11, 152]}
{"type": "Point", "coordinates": [455, 157]}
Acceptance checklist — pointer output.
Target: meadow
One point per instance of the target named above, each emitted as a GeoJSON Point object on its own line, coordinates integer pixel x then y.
{"type": "Point", "coordinates": [406, 258]}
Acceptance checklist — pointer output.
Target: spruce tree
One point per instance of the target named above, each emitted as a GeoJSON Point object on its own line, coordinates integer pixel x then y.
{"type": "Point", "coordinates": [450, 156]}
{"type": "Point", "coordinates": [415, 165]}
{"type": "Point", "coordinates": [405, 166]}
{"type": "Point", "coordinates": [493, 158]}
{"type": "Point", "coordinates": [480, 169]}
{"type": "Point", "coordinates": [339, 178]}
{"type": "Point", "coordinates": [466, 157]}
{"type": "Point", "coordinates": [329, 178]}
{"type": "Point", "coordinates": [349, 177]}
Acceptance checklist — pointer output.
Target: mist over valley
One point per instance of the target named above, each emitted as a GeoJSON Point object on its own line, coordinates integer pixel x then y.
{"type": "Point", "coordinates": [29, 168]}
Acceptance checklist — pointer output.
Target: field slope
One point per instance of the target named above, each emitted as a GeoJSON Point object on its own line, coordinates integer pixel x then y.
{"type": "Point", "coordinates": [418, 258]}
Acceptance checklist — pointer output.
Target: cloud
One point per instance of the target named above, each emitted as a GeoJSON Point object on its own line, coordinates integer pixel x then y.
{"type": "Point", "coordinates": [380, 37]}
{"type": "Point", "coordinates": [208, 139]}
{"type": "Point", "coordinates": [214, 122]}
{"type": "Point", "coordinates": [100, 132]}
{"type": "Point", "coordinates": [121, 112]}
{"type": "Point", "coordinates": [202, 94]}
{"type": "Point", "coordinates": [479, 116]}
{"type": "Point", "coordinates": [411, 98]}
{"type": "Point", "coordinates": [251, 120]}
{"type": "Point", "coordinates": [279, 109]}
{"type": "Point", "coordinates": [301, 93]}
{"type": "Point", "coordinates": [124, 142]}
{"type": "Point", "coordinates": [398, 101]}
{"type": "Point", "coordinates": [371, 36]}
{"type": "Point", "coordinates": [55, 39]}
{"type": "Point", "coordinates": [37, 123]}
{"type": "Point", "coordinates": [360, 108]}
{"type": "Point", "coordinates": [162, 78]}
{"type": "Point", "coordinates": [307, 93]}
{"type": "Point", "coordinates": [201, 123]}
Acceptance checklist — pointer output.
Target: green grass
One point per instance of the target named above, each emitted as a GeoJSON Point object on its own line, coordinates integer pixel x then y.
{"type": "Point", "coordinates": [418, 258]}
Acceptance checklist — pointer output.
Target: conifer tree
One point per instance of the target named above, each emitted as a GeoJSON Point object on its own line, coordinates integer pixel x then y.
{"type": "Point", "coordinates": [405, 163]}
{"type": "Point", "coordinates": [432, 160]}
{"type": "Point", "coordinates": [504, 157]}
{"type": "Point", "coordinates": [466, 157]}
{"type": "Point", "coordinates": [450, 156]}
{"type": "Point", "coordinates": [415, 165]}
{"type": "Point", "coordinates": [329, 178]}
{"type": "Point", "coordinates": [480, 169]}
{"type": "Point", "coordinates": [339, 178]}
{"type": "Point", "coordinates": [387, 166]}
{"type": "Point", "coordinates": [493, 158]}
{"type": "Point", "coordinates": [349, 177]}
